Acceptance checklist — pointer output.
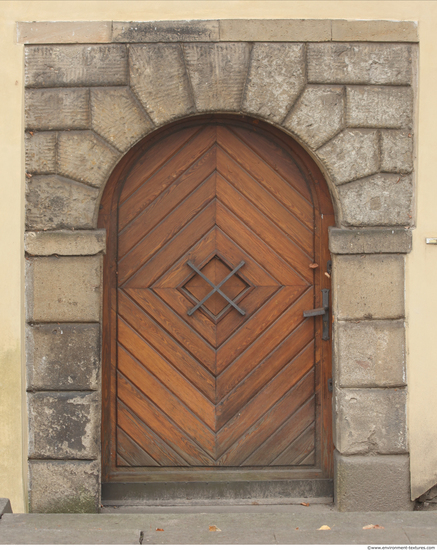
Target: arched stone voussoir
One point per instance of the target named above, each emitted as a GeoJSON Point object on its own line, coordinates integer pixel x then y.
{"type": "Point", "coordinates": [275, 80]}
{"type": "Point", "coordinates": [351, 155]}
{"type": "Point", "coordinates": [86, 157]}
{"type": "Point", "coordinates": [118, 117]}
{"type": "Point", "coordinates": [318, 115]}
{"type": "Point", "coordinates": [159, 80]}
{"type": "Point", "coordinates": [217, 74]}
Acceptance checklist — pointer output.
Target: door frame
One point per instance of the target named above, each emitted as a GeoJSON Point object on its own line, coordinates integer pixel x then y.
{"type": "Point", "coordinates": [108, 220]}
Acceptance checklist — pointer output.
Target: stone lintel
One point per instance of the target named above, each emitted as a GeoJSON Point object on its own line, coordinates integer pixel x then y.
{"type": "Point", "coordinates": [64, 32]}
{"type": "Point", "coordinates": [225, 30]}
{"type": "Point", "coordinates": [370, 241]}
{"type": "Point", "coordinates": [65, 243]}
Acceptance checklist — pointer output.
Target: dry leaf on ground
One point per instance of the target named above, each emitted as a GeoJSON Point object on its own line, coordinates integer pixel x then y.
{"type": "Point", "coordinates": [371, 526]}
{"type": "Point", "coordinates": [304, 504]}
{"type": "Point", "coordinates": [159, 529]}
{"type": "Point", "coordinates": [324, 528]}
{"type": "Point", "coordinates": [214, 528]}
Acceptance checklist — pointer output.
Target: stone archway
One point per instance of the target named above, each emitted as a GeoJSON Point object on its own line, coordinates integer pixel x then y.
{"type": "Point", "coordinates": [349, 104]}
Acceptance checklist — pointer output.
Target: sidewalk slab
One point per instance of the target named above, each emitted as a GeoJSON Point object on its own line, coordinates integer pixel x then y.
{"type": "Point", "coordinates": [279, 524]}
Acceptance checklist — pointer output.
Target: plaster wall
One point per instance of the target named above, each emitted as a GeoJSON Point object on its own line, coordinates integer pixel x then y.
{"type": "Point", "coordinates": [421, 263]}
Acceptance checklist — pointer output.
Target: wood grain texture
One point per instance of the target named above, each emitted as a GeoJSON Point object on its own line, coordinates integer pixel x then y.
{"type": "Point", "coordinates": [216, 387]}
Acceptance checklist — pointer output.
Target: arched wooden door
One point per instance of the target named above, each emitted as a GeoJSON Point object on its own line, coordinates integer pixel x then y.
{"type": "Point", "coordinates": [217, 244]}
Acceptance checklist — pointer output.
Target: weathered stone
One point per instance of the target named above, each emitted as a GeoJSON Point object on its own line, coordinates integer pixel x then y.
{"type": "Point", "coordinates": [159, 79]}
{"type": "Point", "coordinates": [396, 151]}
{"type": "Point", "coordinates": [65, 243]}
{"type": "Point", "coordinates": [370, 354]}
{"type": "Point", "coordinates": [370, 287]}
{"type": "Point", "coordinates": [372, 483]}
{"type": "Point", "coordinates": [5, 506]}
{"type": "Point", "coordinates": [275, 30]}
{"type": "Point", "coordinates": [374, 31]}
{"type": "Point", "coordinates": [53, 202]}
{"type": "Point", "coordinates": [318, 115]}
{"type": "Point", "coordinates": [165, 31]}
{"type": "Point", "coordinates": [63, 32]}
{"type": "Point", "coordinates": [383, 199]}
{"type": "Point", "coordinates": [351, 155]}
{"type": "Point", "coordinates": [218, 74]}
{"type": "Point", "coordinates": [63, 425]}
{"type": "Point", "coordinates": [359, 63]}
{"type": "Point", "coordinates": [71, 65]}
{"type": "Point", "coordinates": [63, 356]}
{"type": "Point", "coordinates": [68, 487]}
{"type": "Point", "coordinates": [85, 157]}
{"type": "Point", "coordinates": [379, 107]}
{"type": "Point", "coordinates": [118, 117]}
{"type": "Point", "coordinates": [370, 241]}
{"type": "Point", "coordinates": [57, 109]}
{"type": "Point", "coordinates": [63, 289]}
{"type": "Point", "coordinates": [40, 153]}
{"type": "Point", "coordinates": [275, 80]}
{"type": "Point", "coordinates": [370, 421]}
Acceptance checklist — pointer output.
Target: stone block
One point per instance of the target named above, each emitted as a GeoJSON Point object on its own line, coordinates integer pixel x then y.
{"type": "Point", "coordinates": [318, 115]}
{"type": "Point", "coordinates": [275, 30]}
{"type": "Point", "coordinates": [71, 65]}
{"type": "Point", "coordinates": [57, 109]}
{"type": "Point", "coordinates": [379, 106]}
{"type": "Point", "coordinates": [369, 288]}
{"type": "Point", "coordinates": [85, 157]}
{"type": "Point", "coordinates": [64, 487]}
{"type": "Point", "coordinates": [40, 153]}
{"type": "Point", "coordinates": [53, 202]}
{"type": "Point", "coordinates": [5, 506]}
{"type": "Point", "coordinates": [374, 31]}
{"type": "Point", "coordinates": [396, 151]}
{"type": "Point", "coordinates": [118, 117]}
{"type": "Point", "coordinates": [370, 421]}
{"type": "Point", "coordinates": [165, 31]}
{"type": "Point", "coordinates": [383, 199]}
{"type": "Point", "coordinates": [372, 483]}
{"type": "Point", "coordinates": [63, 425]}
{"type": "Point", "coordinates": [338, 63]}
{"type": "Point", "coordinates": [218, 74]}
{"type": "Point", "coordinates": [159, 80]}
{"type": "Point", "coordinates": [65, 243]}
{"type": "Point", "coordinates": [63, 289]}
{"type": "Point", "coordinates": [63, 32]}
{"type": "Point", "coordinates": [370, 241]}
{"type": "Point", "coordinates": [63, 356]}
{"type": "Point", "coordinates": [351, 155]}
{"type": "Point", "coordinates": [370, 354]}
{"type": "Point", "coordinates": [276, 78]}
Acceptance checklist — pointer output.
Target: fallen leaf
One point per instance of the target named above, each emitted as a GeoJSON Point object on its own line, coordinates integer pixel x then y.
{"type": "Point", "coordinates": [31, 133]}
{"type": "Point", "coordinates": [324, 528]}
{"type": "Point", "coordinates": [214, 528]}
{"type": "Point", "coordinates": [371, 526]}
{"type": "Point", "coordinates": [313, 266]}
{"type": "Point", "coordinates": [297, 529]}
{"type": "Point", "coordinates": [255, 503]}
{"type": "Point", "coordinates": [159, 529]}
{"type": "Point", "coordinates": [304, 504]}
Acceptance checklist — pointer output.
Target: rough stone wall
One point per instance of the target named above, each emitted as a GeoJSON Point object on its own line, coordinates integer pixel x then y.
{"type": "Point", "coordinates": [350, 103]}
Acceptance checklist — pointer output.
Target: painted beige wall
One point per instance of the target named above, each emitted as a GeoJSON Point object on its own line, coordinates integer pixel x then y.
{"type": "Point", "coordinates": [421, 263]}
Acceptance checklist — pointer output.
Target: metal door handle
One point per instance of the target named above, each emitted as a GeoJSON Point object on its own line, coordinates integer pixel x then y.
{"type": "Point", "coordinates": [322, 311]}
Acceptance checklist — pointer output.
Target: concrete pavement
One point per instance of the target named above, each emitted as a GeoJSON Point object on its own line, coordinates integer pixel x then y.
{"type": "Point", "coordinates": [275, 524]}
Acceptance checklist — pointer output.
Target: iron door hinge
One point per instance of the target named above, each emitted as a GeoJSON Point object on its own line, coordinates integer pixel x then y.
{"type": "Point", "coordinates": [330, 384]}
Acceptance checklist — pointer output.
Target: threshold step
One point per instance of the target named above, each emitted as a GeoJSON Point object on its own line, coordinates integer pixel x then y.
{"type": "Point", "coordinates": [214, 493]}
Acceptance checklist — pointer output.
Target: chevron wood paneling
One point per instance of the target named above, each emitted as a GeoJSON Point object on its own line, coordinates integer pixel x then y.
{"type": "Point", "coordinates": [215, 388]}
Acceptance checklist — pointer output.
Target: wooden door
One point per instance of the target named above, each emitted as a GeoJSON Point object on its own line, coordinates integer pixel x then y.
{"type": "Point", "coordinates": [217, 235]}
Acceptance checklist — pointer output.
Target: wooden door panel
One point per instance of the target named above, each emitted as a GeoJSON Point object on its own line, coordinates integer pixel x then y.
{"type": "Point", "coordinates": [211, 362]}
